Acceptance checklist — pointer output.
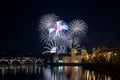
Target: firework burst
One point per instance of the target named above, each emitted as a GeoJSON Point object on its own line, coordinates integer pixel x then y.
{"type": "Point", "coordinates": [51, 28]}
{"type": "Point", "coordinates": [51, 48]}
{"type": "Point", "coordinates": [58, 35]}
{"type": "Point", "coordinates": [78, 29]}
{"type": "Point", "coordinates": [48, 21]}
{"type": "Point", "coordinates": [59, 30]}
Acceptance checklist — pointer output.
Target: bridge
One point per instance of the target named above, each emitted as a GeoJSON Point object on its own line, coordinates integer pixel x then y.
{"type": "Point", "coordinates": [20, 61]}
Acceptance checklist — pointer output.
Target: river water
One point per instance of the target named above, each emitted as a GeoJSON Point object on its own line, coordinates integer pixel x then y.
{"type": "Point", "coordinates": [51, 73]}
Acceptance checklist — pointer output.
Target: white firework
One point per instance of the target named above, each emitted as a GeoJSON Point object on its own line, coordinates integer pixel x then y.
{"type": "Point", "coordinates": [45, 38]}
{"type": "Point", "coordinates": [51, 48]}
{"type": "Point", "coordinates": [47, 21]}
{"type": "Point", "coordinates": [78, 29]}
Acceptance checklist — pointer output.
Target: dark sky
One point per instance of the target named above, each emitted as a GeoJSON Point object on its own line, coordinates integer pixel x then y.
{"type": "Point", "coordinates": [19, 22]}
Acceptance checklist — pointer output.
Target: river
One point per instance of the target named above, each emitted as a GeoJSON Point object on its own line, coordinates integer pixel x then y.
{"type": "Point", "coordinates": [51, 73]}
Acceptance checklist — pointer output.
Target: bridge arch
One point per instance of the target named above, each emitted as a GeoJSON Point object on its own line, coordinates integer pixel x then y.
{"type": "Point", "coordinates": [28, 62]}
{"type": "Point", "coordinates": [4, 63]}
{"type": "Point", "coordinates": [16, 63]}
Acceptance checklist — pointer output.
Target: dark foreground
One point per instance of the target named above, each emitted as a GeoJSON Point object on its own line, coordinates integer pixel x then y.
{"type": "Point", "coordinates": [55, 73]}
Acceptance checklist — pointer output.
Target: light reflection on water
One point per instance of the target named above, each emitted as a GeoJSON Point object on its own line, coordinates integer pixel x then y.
{"type": "Point", "coordinates": [51, 73]}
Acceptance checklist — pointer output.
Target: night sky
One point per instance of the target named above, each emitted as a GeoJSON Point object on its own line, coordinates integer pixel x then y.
{"type": "Point", "coordinates": [19, 22]}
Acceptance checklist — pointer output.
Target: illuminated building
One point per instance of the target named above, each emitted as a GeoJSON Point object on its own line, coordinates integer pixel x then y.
{"type": "Point", "coordinates": [105, 54]}
{"type": "Point", "coordinates": [71, 57]}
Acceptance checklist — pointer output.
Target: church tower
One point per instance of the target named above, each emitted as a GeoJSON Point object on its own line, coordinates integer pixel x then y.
{"type": "Point", "coordinates": [73, 55]}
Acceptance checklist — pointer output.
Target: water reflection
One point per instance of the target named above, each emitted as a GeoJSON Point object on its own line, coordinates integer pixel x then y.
{"type": "Point", "coordinates": [52, 73]}
{"type": "Point", "coordinates": [72, 73]}
{"type": "Point", "coordinates": [19, 69]}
